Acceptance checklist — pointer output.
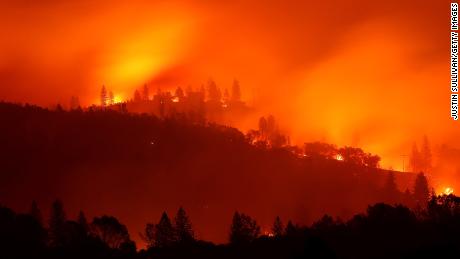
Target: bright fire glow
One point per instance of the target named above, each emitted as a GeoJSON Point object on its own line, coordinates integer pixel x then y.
{"type": "Point", "coordinates": [117, 99]}
{"type": "Point", "coordinates": [448, 191]}
{"type": "Point", "coordinates": [269, 233]}
{"type": "Point", "coordinates": [339, 157]}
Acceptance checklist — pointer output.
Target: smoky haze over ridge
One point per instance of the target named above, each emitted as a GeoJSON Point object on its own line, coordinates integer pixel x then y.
{"type": "Point", "coordinates": [374, 76]}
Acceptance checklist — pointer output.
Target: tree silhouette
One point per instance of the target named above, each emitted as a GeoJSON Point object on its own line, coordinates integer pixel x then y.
{"type": "Point", "coordinates": [104, 96]}
{"type": "Point", "coordinates": [81, 219]}
{"type": "Point", "coordinates": [425, 155]}
{"type": "Point", "coordinates": [179, 93]}
{"type": "Point", "coordinates": [320, 150]}
{"type": "Point", "coordinates": [268, 134]}
{"type": "Point", "coordinates": [372, 161]}
{"type": "Point", "coordinates": [415, 159]}
{"type": "Point", "coordinates": [149, 235]}
{"type": "Point", "coordinates": [358, 157]}
{"type": "Point", "coordinates": [291, 229]}
{"type": "Point", "coordinates": [236, 91]}
{"type": "Point", "coordinates": [271, 125]}
{"type": "Point", "coordinates": [214, 94]}
{"type": "Point", "coordinates": [164, 232]}
{"type": "Point", "coordinates": [36, 213]}
{"type": "Point", "coordinates": [243, 229]}
{"type": "Point", "coordinates": [110, 231]}
{"type": "Point", "coordinates": [263, 127]}
{"type": "Point", "coordinates": [226, 96]}
{"type": "Point", "coordinates": [183, 227]}
{"type": "Point", "coordinates": [390, 189]}
{"type": "Point", "coordinates": [111, 99]}
{"type": "Point", "coordinates": [325, 223]}
{"type": "Point", "coordinates": [421, 190]}
{"type": "Point", "coordinates": [278, 227]}
{"type": "Point", "coordinates": [145, 93]}
{"type": "Point", "coordinates": [137, 96]}
{"type": "Point", "coordinates": [57, 224]}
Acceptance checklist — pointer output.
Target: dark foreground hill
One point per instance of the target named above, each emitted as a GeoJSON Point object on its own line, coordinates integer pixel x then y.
{"type": "Point", "coordinates": [136, 166]}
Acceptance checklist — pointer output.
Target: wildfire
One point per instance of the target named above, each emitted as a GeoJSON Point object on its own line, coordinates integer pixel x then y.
{"type": "Point", "coordinates": [269, 234]}
{"type": "Point", "coordinates": [448, 191]}
{"type": "Point", "coordinates": [339, 157]}
{"type": "Point", "coordinates": [117, 99]}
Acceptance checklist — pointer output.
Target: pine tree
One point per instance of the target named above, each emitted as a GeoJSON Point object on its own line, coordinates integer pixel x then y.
{"type": "Point", "coordinates": [36, 213]}
{"type": "Point", "coordinates": [415, 159]}
{"type": "Point", "coordinates": [236, 91]}
{"type": "Point", "coordinates": [278, 228]}
{"type": "Point", "coordinates": [183, 227]}
{"type": "Point", "coordinates": [421, 190]}
{"type": "Point", "coordinates": [81, 219]}
{"type": "Point", "coordinates": [137, 96]}
{"type": "Point", "coordinates": [390, 189]}
{"type": "Point", "coordinates": [149, 235]}
{"type": "Point", "coordinates": [263, 127]}
{"type": "Point", "coordinates": [145, 93]}
{"type": "Point", "coordinates": [104, 97]}
{"type": "Point", "coordinates": [164, 232]}
{"type": "Point", "coordinates": [57, 223]}
{"type": "Point", "coordinates": [214, 94]}
{"type": "Point", "coordinates": [425, 155]}
{"type": "Point", "coordinates": [290, 229]}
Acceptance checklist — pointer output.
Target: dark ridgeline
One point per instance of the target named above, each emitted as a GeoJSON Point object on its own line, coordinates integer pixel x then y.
{"type": "Point", "coordinates": [384, 231]}
{"type": "Point", "coordinates": [132, 162]}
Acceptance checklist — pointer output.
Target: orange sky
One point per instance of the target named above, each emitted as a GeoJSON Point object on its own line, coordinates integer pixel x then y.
{"type": "Point", "coordinates": [364, 73]}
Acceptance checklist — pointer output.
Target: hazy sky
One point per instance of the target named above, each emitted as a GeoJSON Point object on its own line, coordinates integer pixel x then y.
{"type": "Point", "coordinates": [373, 74]}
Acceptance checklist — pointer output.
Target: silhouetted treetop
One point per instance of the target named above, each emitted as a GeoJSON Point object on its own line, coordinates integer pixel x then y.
{"type": "Point", "coordinates": [164, 235]}
{"type": "Point", "coordinates": [183, 227]}
{"type": "Point", "coordinates": [421, 189]}
{"type": "Point", "coordinates": [244, 229]}
{"type": "Point", "coordinates": [278, 227]}
{"type": "Point", "coordinates": [110, 231]}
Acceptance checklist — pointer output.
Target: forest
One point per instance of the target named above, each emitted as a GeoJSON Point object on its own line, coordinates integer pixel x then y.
{"type": "Point", "coordinates": [139, 168]}
{"type": "Point", "coordinates": [383, 231]}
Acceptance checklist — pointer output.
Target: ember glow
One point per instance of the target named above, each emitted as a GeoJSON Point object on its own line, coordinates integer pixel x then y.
{"type": "Point", "coordinates": [448, 191]}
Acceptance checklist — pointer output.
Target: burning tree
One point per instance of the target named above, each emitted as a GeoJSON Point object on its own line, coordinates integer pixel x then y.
{"type": "Point", "coordinates": [320, 150]}
{"type": "Point", "coordinates": [268, 134]}
{"type": "Point", "coordinates": [357, 156]}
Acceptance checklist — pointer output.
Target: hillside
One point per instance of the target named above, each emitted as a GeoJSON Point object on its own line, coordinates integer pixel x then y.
{"type": "Point", "coordinates": [136, 166]}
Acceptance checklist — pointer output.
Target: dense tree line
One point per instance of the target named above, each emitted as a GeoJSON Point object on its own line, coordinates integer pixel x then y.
{"type": "Point", "coordinates": [352, 155]}
{"type": "Point", "coordinates": [124, 161]}
{"type": "Point", "coordinates": [383, 231]}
